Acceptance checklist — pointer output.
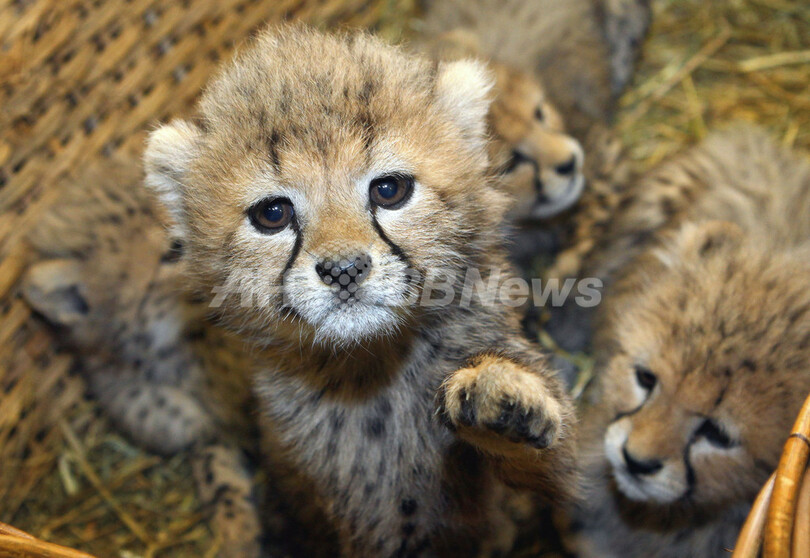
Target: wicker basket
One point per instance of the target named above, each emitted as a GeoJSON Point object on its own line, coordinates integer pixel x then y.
{"type": "Point", "coordinates": [779, 521]}
{"type": "Point", "coordinates": [19, 544]}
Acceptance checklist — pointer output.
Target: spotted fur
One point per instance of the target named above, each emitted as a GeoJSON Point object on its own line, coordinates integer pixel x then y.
{"type": "Point", "coordinates": [584, 51]}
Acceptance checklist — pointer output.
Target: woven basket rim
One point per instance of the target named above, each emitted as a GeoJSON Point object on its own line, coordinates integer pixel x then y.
{"type": "Point", "coordinates": [772, 519]}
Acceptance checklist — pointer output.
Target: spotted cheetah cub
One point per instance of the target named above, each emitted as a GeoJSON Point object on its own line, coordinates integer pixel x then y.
{"type": "Point", "coordinates": [109, 280]}
{"type": "Point", "coordinates": [323, 178]}
{"type": "Point", "coordinates": [584, 51]}
{"type": "Point", "coordinates": [539, 164]}
{"type": "Point", "coordinates": [704, 355]}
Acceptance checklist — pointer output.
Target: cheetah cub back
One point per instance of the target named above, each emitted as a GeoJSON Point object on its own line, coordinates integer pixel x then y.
{"type": "Point", "coordinates": [704, 355]}
{"type": "Point", "coordinates": [584, 51]}
{"type": "Point", "coordinates": [323, 180]}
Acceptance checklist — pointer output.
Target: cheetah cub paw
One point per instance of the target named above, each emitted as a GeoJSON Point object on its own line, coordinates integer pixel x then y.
{"type": "Point", "coordinates": [497, 403]}
{"type": "Point", "coordinates": [163, 419]}
{"type": "Point", "coordinates": [226, 487]}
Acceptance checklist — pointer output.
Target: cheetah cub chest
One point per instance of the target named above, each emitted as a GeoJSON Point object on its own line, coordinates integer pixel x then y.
{"type": "Point", "coordinates": [325, 178]}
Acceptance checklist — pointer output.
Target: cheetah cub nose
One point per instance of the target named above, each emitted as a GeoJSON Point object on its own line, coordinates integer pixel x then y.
{"type": "Point", "coordinates": [346, 272]}
{"type": "Point", "coordinates": [638, 467]}
{"type": "Point", "coordinates": [568, 167]}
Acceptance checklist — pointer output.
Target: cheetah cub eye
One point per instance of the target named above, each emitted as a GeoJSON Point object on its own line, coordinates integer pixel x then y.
{"type": "Point", "coordinates": [391, 191]}
{"type": "Point", "coordinates": [645, 378]}
{"type": "Point", "coordinates": [271, 215]}
{"type": "Point", "coordinates": [713, 433]}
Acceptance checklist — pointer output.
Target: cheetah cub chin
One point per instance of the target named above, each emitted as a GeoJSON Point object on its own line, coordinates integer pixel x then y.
{"type": "Point", "coordinates": [324, 176]}
{"type": "Point", "coordinates": [704, 357]}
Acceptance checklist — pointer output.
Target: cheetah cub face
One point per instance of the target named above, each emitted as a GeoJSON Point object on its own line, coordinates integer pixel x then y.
{"type": "Point", "coordinates": [324, 176]}
{"type": "Point", "coordinates": [708, 366]}
{"type": "Point", "coordinates": [541, 165]}
{"type": "Point", "coordinates": [101, 233]}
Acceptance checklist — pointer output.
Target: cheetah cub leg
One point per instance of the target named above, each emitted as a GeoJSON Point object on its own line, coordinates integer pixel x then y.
{"type": "Point", "coordinates": [502, 407]}
{"type": "Point", "coordinates": [164, 419]}
{"type": "Point", "coordinates": [225, 485]}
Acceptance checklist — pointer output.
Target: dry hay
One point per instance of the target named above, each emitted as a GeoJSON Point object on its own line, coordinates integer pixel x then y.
{"type": "Point", "coordinates": [712, 62]}
{"type": "Point", "coordinates": [706, 63]}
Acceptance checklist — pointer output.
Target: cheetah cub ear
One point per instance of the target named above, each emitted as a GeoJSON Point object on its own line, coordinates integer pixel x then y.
{"type": "Point", "coordinates": [462, 89]}
{"type": "Point", "coordinates": [55, 289]}
{"type": "Point", "coordinates": [694, 242]}
{"type": "Point", "coordinates": [169, 152]}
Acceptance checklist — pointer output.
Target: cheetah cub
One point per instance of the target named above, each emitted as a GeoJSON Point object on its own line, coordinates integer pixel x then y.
{"type": "Point", "coordinates": [704, 351]}
{"type": "Point", "coordinates": [109, 280]}
{"type": "Point", "coordinates": [539, 164]}
{"type": "Point", "coordinates": [324, 177]}
{"type": "Point", "coordinates": [584, 51]}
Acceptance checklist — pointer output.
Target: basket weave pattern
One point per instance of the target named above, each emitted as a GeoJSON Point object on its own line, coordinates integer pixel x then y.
{"type": "Point", "coordinates": [779, 522]}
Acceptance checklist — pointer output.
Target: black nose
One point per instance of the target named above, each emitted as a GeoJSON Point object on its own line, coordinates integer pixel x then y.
{"type": "Point", "coordinates": [638, 467]}
{"type": "Point", "coordinates": [567, 167]}
{"type": "Point", "coordinates": [345, 272]}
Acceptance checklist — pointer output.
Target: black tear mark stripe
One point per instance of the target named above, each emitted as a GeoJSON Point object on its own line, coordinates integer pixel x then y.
{"type": "Point", "coordinates": [691, 478]}
{"type": "Point", "coordinates": [296, 249]}
{"type": "Point", "coordinates": [395, 249]}
{"type": "Point", "coordinates": [629, 413]}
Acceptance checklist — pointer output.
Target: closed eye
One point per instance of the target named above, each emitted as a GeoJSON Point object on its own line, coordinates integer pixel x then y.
{"type": "Point", "coordinates": [515, 160]}
{"type": "Point", "coordinates": [645, 377]}
{"type": "Point", "coordinates": [174, 253]}
{"type": "Point", "coordinates": [715, 435]}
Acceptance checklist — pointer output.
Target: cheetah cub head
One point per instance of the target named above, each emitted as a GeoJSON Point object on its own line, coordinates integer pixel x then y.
{"type": "Point", "coordinates": [109, 277]}
{"type": "Point", "coordinates": [707, 368]}
{"type": "Point", "coordinates": [539, 163]}
{"type": "Point", "coordinates": [323, 176]}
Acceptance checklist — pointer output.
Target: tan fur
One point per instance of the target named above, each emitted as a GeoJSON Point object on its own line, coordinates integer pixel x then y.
{"type": "Point", "coordinates": [629, 214]}
{"type": "Point", "coordinates": [705, 183]}
{"type": "Point", "coordinates": [351, 394]}
{"type": "Point", "coordinates": [719, 313]}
